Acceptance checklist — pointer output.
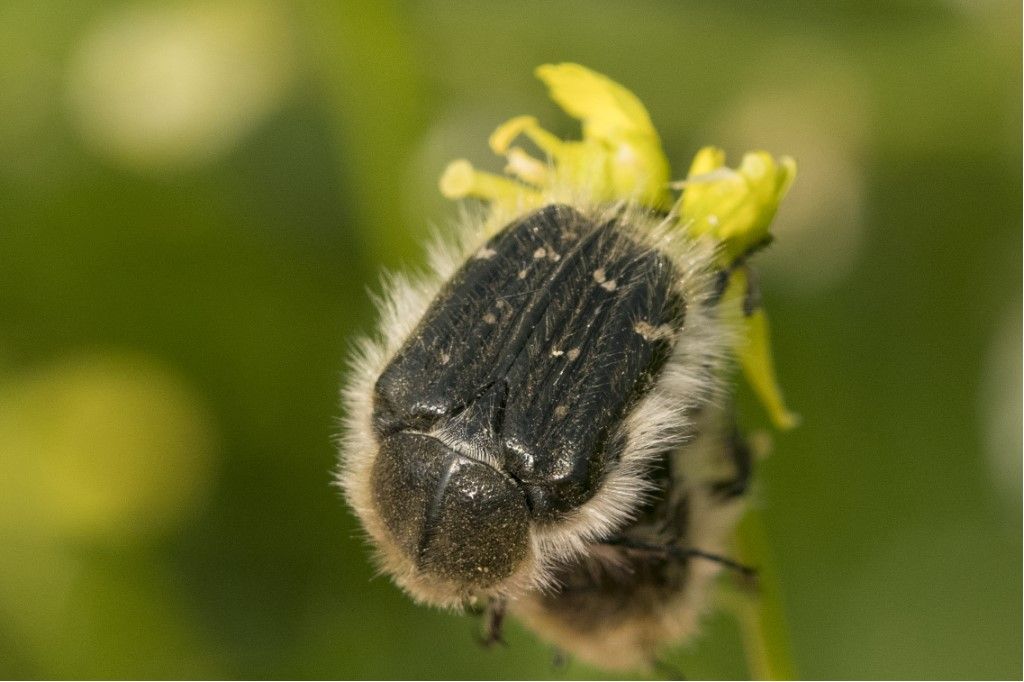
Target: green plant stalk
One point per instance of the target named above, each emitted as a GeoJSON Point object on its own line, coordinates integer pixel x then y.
{"type": "Point", "coordinates": [760, 612]}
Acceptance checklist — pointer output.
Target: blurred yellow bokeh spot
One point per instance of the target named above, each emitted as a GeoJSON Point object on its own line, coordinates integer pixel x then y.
{"type": "Point", "coordinates": [167, 85]}
{"type": "Point", "coordinates": [103, 448]}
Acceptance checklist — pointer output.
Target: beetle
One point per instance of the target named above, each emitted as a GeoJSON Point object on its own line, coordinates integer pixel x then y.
{"type": "Point", "coordinates": [543, 424]}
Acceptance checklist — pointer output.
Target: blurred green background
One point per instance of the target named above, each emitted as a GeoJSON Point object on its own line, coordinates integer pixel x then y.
{"type": "Point", "coordinates": [195, 197]}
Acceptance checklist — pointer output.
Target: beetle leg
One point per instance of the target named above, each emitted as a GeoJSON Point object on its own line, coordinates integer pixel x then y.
{"type": "Point", "coordinates": [682, 553]}
{"type": "Point", "coordinates": [743, 465]}
{"type": "Point", "coordinates": [493, 623]}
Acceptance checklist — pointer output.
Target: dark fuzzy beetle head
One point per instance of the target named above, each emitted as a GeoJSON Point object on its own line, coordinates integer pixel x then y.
{"type": "Point", "coordinates": [459, 520]}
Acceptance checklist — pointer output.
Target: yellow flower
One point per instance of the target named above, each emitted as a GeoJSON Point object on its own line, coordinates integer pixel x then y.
{"type": "Point", "coordinates": [618, 158]}
{"type": "Point", "coordinates": [734, 206]}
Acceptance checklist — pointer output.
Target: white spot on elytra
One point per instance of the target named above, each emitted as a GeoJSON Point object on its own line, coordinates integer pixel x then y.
{"type": "Point", "coordinates": [539, 253]}
{"type": "Point", "coordinates": [557, 353]}
{"type": "Point", "coordinates": [601, 277]}
{"type": "Point", "coordinates": [489, 318]}
{"type": "Point", "coordinates": [486, 253]}
{"type": "Point", "coordinates": [573, 353]}
{"type": "Point", "coordinates": [652, 333]}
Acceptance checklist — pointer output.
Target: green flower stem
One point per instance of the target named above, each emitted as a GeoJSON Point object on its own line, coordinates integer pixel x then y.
{"type": "Point", "coordinates": [761, 614]}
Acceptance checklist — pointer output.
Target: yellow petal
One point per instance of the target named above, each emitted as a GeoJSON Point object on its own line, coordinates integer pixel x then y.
{"type": "Point", "coordinates": [606, 109]}
{"type": "Point", "coordinates": [620, 155]}
{"type": "Point", "coordinates": [735, 207]}
{"type": "Point", "coordinates": [753, 349]}
{"type": "Point", "coordinates": [461, 180]}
